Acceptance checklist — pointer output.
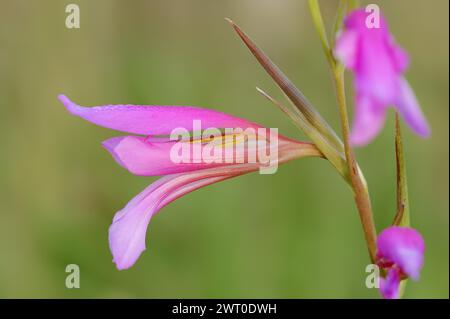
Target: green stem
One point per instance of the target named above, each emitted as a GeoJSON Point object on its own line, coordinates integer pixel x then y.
{"type": "Point", "coordinates": [361, 193]}
{"type": "Point", "coordinates": [402, 216]}
{"type": "Point", "coordinates": [318, 23]}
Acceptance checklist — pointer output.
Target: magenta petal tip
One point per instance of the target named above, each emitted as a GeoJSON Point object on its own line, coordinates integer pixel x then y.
{"type": "Point", "coordinates": [69, 105]}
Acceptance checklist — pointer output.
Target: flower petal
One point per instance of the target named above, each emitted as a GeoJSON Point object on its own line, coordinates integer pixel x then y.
{"type": "Point", "coordinates": [141, 157]}
{"type": "Point", "coordinates": [399, 55]}
{"type": "Point", "coordinates": [368, 120]}
{"type": "Point", "coordinates": [409, 108]}
{"type": "Point", "coordinates": [389, 286]}
{"type": "Point", "coordinates": [153, 119]}
{"type": "Point", "coordinates": [346, 48]}
{"type": "Point", "coordinates": [378, 63]}
{"type": "Point", "coordinates": [128, 230]}
{"type": "Point", "coordinates": [404, 247]}
{"type": "Point", "coordinates": [376, 74]}
{"type": "Point", "coordinates": [372, 60]}
{"type": "Point", "coordinates": [153, 157]}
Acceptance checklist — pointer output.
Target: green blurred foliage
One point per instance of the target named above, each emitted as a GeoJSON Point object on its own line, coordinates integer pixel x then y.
{"type": "Point", "coordinates": [295, 234]}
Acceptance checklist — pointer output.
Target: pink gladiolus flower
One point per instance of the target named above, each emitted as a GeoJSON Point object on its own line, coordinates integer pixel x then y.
{"type": "Point", "coordinates": [378, 64]}
{"type": "Point", "coordinates": [152, 156]}
{"type": "Point", "coordinates": [400, 253]}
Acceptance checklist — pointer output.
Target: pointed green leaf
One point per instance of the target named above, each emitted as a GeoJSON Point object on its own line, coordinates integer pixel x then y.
{"type": "Point", "coordinates": [307, 118]}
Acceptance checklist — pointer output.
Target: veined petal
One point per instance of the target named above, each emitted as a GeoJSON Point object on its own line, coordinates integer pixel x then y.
{"type": "Point", "coordinates": [153, 119]}
{"type": "Point", "coordinates": [404, 247]}
{"type": "Point", "coordinates": [409, 108]}
{"type": "Point", "coordinates": [151, 157]}
{"type": "Point", "coordinates": [128, 230]}
{"type": "Point", "coordinates": [368, 120]}
{"type": "Point", "coordinates": [145, 158]}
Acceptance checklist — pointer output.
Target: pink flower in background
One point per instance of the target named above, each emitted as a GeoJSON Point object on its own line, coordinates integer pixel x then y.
{"type": "Point", "coordinates": [378, 64]}
{"type": "Point", "coordinates": [401, 254]}
{"type": "Point", "coordinates": [152, 156]}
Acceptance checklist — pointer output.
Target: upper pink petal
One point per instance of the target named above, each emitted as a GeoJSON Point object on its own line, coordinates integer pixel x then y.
{"type": "Point", "coordinates": [375, 71]}
{"type": "Point", "coordinates": [153, 119]}
{"type": "Point", "coordinates": [356, 20]}
{"type": "Point", "coordinates": [404, 247]}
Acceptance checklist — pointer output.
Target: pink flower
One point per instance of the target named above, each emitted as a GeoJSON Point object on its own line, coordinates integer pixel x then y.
{"type": "Point", "coordinates": [378, 64]}
{"type": "Point", "coordinates": [153, 156]}
{"type": "Point", "coordinates": [400, 254]}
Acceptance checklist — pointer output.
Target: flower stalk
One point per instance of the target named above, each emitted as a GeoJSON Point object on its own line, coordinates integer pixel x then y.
{"type": "Point", "coordinates": [402, 216]}
{"type": "Point", "coordinates": [361, 193]}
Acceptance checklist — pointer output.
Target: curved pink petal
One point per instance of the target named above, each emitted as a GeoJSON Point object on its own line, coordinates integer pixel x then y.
{"type": "Point", "coordinates": [404, 247]}
{"type": "Point", "coordinates": [128, 230]}
{"type": "Point", "coordinates": [389, 286]}
{"type": "Point", "coordinates": [409, 108]}
{"type": "Point", "coordinates": [153, 119]}
{"type": "Point", "coordinates": [368, 120]}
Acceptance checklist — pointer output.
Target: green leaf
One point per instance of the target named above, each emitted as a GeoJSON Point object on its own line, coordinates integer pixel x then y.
{"type": "Point", "coordinates": [303, 114]}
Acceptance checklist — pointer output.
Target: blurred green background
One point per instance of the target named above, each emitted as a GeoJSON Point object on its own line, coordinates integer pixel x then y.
{"type": "Point", "coordinates": [295, 234]}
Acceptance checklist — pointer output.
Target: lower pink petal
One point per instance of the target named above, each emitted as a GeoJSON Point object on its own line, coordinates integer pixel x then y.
{"type": "Point", "coordinates": [409, 109]}
{"type": "Point", "coordinates": [368, 120]}
{"type": "Point", "coordinates": [128, 230]}
{"type": "Point", "coordinates": [389, 286]}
